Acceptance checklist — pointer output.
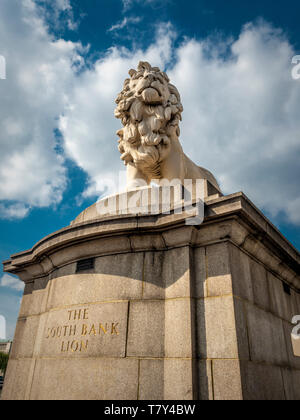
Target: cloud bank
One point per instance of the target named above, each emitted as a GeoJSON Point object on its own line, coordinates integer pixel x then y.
{"type": "Point", "coordinates": [40, 71]}
{"type": "Point", "coordinates": [11, 282]}
{"type": "Point", "coordinates": [241, 117]}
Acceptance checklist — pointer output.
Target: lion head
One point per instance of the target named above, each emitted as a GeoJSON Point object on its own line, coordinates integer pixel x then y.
{"type": "Point", "coordinates": [150, 108]}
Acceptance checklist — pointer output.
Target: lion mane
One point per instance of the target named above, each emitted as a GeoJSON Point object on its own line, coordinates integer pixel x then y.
{"type": "Point", "coordinates": [150, 108]}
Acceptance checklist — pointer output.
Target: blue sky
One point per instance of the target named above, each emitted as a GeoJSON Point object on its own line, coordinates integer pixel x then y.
{"type": "Point", "coordinates": [66, 60]}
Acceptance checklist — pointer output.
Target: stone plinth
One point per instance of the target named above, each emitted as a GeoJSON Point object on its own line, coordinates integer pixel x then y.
{"type": "Point", "coordinates": [146, 307]}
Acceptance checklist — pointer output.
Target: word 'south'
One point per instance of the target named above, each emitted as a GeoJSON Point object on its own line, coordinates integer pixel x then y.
{"type": "Point", "coordinates": [75, 336]}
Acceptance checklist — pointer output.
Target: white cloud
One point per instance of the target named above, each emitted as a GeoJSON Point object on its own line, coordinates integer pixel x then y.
{"type": "Point", "coordinates": [14, 211]}
{"type": "Point", "coordinates": [58, 13]}
{"type": "Point", "coordinates": [63, 4]}
{"type": "Point", "coordinates": [11, 283]}
{"type": "Point", "coordinates": [89, 126]}
{"type": "Point", "coordinates": [241, 113]}
{"type": "Point", "coordinates": [127, 4]}
{"type": "Point", "coordinates": [40, 71]}
{"type": "Point", "coordinates": [241, 116]}
{"type": "Point", "coordinates": [125, 22]}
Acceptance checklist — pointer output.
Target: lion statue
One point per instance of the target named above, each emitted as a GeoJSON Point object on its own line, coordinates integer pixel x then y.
{"type": "Point", "coordinates": [150, 109]}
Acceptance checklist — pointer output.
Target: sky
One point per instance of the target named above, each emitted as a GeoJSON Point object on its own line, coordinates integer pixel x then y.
{"type": "Point", "coordinates": [66, 61]}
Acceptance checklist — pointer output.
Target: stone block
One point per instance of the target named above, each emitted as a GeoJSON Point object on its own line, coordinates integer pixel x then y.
{"type": "Point", "coordinates": [261, 382]}
{"type": "Point", "coordinates": [293, 361]}
{"type": "Point", "coordinates": [87, 331]}
{"type": "Point", "coordinates": [85, 379]}
{"type": "Point", "coordinates": [120, 279]}
{"type": "Point", "coordinates": [35, 297]}
{"type": "Point", "coordinates": [146, 329]}
{"type": "Point", "coordinates": [178, 380]}
{"type": "Point", "coordinates": [205, 382]}
{"type": "Point", "coordinates": [216, 328]}
{"type": "Point", "coordinates": [178, 328]}
{"type": "Point", "coordinates": [179, 237]}
{"type": "Point", "coordinates": [151, 383]}
{"type": "Point", "coordinates": [266, 336]}
{"type": "Point", "coordinates": [165, 279]}
{"type": "Point", "coordinates": [227, 380]}
{"type": "Point", "coordinates": [199, 268]}
{"type": "Point", "coordinates": [240, 273]}
{"type": "Point", "coordinates": [218, 270]}
{"type": "Point", "coordinates": [260, 287]}
{"type": "Point", "coordinates": [281, 302]}
{"type": "Point", "coordinates": [291, 380]}
{"type": "Point", "coordinates": [24, 339]}
{"type": "Point", "coordinates": [90, 248]}
{"type": "Point", "coordinates": [16, 379]}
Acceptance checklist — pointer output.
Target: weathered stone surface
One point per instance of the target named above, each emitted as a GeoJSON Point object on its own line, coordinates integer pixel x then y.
{"type": "Point", "coordinates": [151, 383]}
{"type": "Point", "coordinates": [146, 329]}
{"type": "Point", "coordinates": [178, 328]}
{"type": "Point", "coordinates": [266, 336]}
{"type": "Point", "coordinates": [240, 272]}
{"type": "Point", "coordinates": [88, 379]}
{"type": "Point", "coordinates": [86, 331]}
{"type": "Point", "coordinates": [199, 298]}
{"type": "Point", "coordinates": [199, 267]}
{"type": "Point", "coordinates": [35, 297]}
{"type": "Point", "coordinates": [120, 279]}
{"type": "Point", "coordinates": [227, 380]}
{"type": "Point", "coordinates": [260, 288]}
{"type": "Point", "coordinates": [217, 337]}
{"type": "Point", "coordinates": [178, 380]}
{"type": "Point", "coordinates": [25, 335]}
{"type": "Point", "coordinates": [16, 379]}
{"type": "Point", "coordinates": [291, 380]}
{"type": "Point", "coordinates": [218, 270]}
{"type": "Point", "coordinates": [293, 361]}
{"type": "Point", "coordinates": [281, 302]}
{"type": "Point", "coordinates": [163, 278]}
{"type": "Point", "coordinates": [205, 380]}
{"type": "Point", "coordinates": [261, 382]}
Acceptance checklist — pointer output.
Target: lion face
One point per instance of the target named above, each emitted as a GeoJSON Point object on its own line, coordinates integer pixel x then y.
{"type": "Point", "coordinates": [150, 110]}
{"type": "Point", "coordinates": [150, 85]}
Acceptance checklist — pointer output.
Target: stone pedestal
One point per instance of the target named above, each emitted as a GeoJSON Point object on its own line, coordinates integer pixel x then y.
{"type": "Point", "coordinates": [146, 307]}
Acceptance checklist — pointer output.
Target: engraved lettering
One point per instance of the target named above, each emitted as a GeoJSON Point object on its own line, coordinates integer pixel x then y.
{"type": "Point", "coordinates": [85, 314]}
{"type": "Point", "coordinates": [72, 330]}
{"type": "Point", "coordinates": [101, 328]}
{"type": "Point", "coordinates": [74, 346]}
{"type": "Point", "coordinates": [84, 330]}
{"type": "Point", "coordinates": [84, 346]}
{"type": "Point", "coordinates": [93, 330]}
{"type": "Point", "coordinates": [114, 328]}
{"type": "Point", "coordinates": [65, 349]}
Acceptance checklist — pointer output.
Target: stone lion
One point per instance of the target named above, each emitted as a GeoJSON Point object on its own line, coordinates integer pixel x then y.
{"type": "Point", "coordinates": [150, 109]}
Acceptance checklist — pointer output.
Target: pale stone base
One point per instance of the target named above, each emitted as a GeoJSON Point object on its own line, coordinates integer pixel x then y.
{"type": "Point", "coordinates": [169, 311]}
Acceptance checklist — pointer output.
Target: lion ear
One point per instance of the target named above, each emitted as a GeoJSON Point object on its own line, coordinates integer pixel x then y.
{"type": "Point", "coordinates": [120, 133]}
{"type": "Point", "coordinates": [166, 76]}
{"type": "Point", "coordinates": [132, 72]}
{"type": "Point", "coordinates": [144, 65]}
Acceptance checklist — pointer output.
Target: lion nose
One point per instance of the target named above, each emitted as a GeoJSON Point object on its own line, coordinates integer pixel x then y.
{"type": "Point", "coordinates": [149, 77]}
